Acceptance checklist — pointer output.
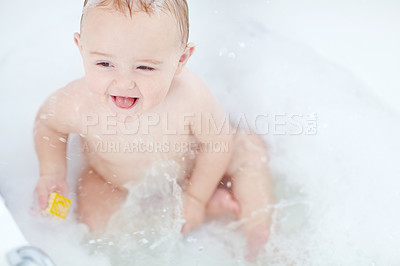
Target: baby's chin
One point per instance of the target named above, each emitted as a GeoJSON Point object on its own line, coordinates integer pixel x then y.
{"type": "Point", "coordinates": [123, 118]}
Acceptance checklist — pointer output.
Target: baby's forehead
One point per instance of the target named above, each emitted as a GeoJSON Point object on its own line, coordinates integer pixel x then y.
{"type": "Point", "coordinates": [176, 9]}
{"type": "Point", "coordinates": [107, 28]}
{"type": "Point", "coordinates": [128, 5]}
{"type": "Point", "coordinates": [102, 15]}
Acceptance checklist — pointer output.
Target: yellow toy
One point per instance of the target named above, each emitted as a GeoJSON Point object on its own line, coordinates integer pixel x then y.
{"type": "Point", "coordinates": [58, 205]}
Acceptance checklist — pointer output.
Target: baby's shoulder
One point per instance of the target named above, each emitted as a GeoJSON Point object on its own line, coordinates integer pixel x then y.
{"type": "Point", "coordinates": [67, 97]}
{"type": "Point", "coordinates": [62, 109]}
{"type": "Point", "coordinates": [200, 102]}
{"type": "Point", "coordinates": [192, 89]}
{"type": "Point", "coordinates": [74, 88]}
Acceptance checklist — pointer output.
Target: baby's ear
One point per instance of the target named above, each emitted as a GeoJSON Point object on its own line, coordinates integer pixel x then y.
{"type": "Point", "coordinates": [189, 50]}
{"type": "Point", "coordinates": [77, 40]}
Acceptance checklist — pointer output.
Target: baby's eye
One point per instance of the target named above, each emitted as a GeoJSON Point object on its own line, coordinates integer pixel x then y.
{"type": "Point", "coordinates": [146, 68]}
{"type": "Point", "coordinates": [104, 64]}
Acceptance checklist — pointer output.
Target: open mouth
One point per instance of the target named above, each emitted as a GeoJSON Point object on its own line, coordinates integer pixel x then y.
{"type": "Point", "coordinates": [124, 102]}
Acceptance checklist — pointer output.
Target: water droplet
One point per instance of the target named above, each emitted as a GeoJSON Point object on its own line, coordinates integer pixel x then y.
{"type": "Point", "coordinates": [62, 140]}
{"type": "Point", "coordinates": [191, 239]}
{"type": "Point", "coordinates": [222, 51]}
{"type": "Point", "coordinates": [242, 44]}
{"type": "Point", "coordinates": [46, 138]}
{"type": "Point", "coordinates": [232, 55]}
{"type": "Point", "coordinates": [228, 184]}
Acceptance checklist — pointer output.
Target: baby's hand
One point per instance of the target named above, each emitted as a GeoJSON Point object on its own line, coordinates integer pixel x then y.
{"type": "Point", "coordinates": [193, 213]}
{"type": "Point", "coordinates": [47, 185]}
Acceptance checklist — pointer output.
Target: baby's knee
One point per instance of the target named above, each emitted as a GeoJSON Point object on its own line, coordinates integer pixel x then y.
{"type": "Point", "coordinates": [249, 154]}
{"type": "Point", "coordinates": [96, 200]}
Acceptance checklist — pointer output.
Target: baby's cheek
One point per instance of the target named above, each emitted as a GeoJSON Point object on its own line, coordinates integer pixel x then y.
{"type": "Point", "coordinates": [158, 95]}
{"type": "Point", "coordinates": [96, 84]}
{"type": "Point", "coordinates": [154, 94]}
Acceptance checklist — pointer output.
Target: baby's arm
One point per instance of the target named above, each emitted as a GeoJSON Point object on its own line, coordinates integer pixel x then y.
{"type": "Point", "coordinates": [53, 123]}
{"type": "Point", "coordinates": [211, 164]}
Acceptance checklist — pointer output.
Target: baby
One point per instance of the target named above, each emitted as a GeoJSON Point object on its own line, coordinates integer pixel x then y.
{"type": "Point", "coordinates": [138, 106]}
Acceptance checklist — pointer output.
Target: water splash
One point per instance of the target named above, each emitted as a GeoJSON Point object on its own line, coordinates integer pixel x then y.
{"type": "Point", "coordinates": [147, 227]}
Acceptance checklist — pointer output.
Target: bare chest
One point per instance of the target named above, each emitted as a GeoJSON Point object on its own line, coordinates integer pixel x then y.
{"type": "Point", "coordinates": [121, 153]}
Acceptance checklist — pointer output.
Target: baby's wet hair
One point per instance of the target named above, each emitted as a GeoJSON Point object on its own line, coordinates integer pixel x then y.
{"type": "Point", "coordinates": [177, 8]}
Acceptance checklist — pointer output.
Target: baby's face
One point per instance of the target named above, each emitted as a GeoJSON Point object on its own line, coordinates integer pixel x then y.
{"type": "Point", "coordinates": [129, 62]}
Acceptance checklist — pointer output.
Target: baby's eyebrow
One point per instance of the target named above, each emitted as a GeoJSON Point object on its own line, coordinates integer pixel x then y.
{"type": "Point", "coordinates": [100, 53]}
{"type": "Point", "coordinates": [152, 61]}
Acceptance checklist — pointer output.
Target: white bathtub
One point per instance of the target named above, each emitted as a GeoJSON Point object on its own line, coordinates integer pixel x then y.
{"type": "Point", "coordinates": [14, 248]}
{"type": "Point", "coordinates": [10, 234]}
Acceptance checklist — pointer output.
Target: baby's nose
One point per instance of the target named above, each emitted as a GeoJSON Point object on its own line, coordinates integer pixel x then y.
{"type": "Point", "coordinates": [125, 81]}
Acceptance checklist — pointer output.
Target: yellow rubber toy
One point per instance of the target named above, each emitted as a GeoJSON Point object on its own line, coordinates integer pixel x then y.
{"type": "Point", "coordinates": [58, 205]}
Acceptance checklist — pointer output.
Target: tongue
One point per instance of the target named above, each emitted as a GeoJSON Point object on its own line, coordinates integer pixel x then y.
{"type": "Point", "coordinates": [124, 102]}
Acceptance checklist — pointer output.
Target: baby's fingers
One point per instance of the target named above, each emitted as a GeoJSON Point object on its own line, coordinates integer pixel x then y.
{"type": "Point", "coordinates": [186, 228]}
{"type": "Point", "coordinates": [43, 196]}
{"type": "Point", "coordinates": [63, 188]}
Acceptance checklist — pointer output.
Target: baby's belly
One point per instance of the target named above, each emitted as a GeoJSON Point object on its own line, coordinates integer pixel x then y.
{"type": "Point", "coordinates": [119, 166]}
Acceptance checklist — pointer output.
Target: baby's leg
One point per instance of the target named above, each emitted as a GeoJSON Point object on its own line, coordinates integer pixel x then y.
{"type": "Point", "coordinates": [222, 202]}
{"type": "Point", "coordinates": [252, 188]}
{"type": "Point", "coordinates": [97, 201]}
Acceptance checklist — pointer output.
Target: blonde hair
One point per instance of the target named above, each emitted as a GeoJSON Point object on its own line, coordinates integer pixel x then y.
{"type": "Point", "coordinates": [177, 8]}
